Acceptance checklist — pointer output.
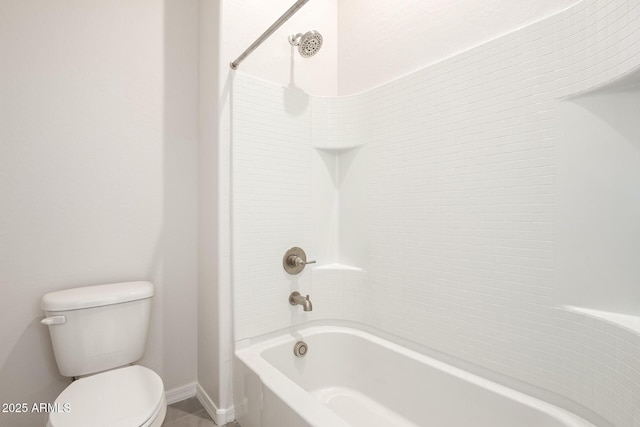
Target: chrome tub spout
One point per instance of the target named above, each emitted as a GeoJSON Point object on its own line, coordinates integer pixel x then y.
{"type": "Point", "coordinates": [296, 299]}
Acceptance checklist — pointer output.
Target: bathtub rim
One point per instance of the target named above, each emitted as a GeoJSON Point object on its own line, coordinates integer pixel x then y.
{"type": "Point", "coordinates": [249, 351]}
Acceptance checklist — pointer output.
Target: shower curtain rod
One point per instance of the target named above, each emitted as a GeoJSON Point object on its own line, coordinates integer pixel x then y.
{"type": "Point", "coordinates": [293, 9]}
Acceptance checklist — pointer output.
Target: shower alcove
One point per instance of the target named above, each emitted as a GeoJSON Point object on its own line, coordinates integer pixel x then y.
{"type": "Point", "coordinates": [484, 207]}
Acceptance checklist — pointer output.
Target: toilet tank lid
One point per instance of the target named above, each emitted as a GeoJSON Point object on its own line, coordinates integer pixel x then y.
{"type": "Point", "coordinates": [96, 296]}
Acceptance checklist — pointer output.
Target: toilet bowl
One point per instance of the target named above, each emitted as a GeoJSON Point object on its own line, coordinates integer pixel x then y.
{"type": "Point", "coordinates": [124, 397]}
{"type": "Point", "coordinates": [97, 332]}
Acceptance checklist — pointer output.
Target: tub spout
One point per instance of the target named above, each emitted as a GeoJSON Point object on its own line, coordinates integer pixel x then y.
{"type": "Point", "coordinates": [296, 299]}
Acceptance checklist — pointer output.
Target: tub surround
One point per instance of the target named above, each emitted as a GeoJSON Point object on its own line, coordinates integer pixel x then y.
{"type": "Point", "coordinates": [438, 191]}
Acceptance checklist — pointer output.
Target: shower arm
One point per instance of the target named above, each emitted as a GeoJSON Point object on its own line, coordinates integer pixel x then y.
{"type": "Point", "coordinates": [292, 10]}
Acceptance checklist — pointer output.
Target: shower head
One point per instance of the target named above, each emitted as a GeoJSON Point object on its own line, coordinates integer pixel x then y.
{"type": "Point", "coordinates": [308, 43]}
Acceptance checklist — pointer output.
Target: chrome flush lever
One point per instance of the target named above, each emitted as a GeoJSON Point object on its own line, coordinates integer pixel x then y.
{"type": "Point", "coordinates": [294, 260]}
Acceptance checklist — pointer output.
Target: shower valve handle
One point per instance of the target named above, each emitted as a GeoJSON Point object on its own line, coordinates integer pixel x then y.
{"type": "Point", "coordinates": [294, 260]}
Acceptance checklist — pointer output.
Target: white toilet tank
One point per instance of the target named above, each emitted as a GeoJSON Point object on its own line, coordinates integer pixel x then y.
{"type": "Point", "coordinates": [95, 328]}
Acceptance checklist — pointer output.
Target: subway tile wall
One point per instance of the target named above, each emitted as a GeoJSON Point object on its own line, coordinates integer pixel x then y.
{"type": "Point", "coordinates": [271, 203]}
{"type": "Point", "coordinates": [456, 205]}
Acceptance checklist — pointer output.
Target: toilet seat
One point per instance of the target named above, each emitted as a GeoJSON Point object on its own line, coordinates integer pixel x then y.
{"type": "Point", "coordinates": [126, 397]}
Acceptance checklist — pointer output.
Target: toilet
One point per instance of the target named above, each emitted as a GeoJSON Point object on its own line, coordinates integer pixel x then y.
{"type": "Point", "coordinates": [97, 333]}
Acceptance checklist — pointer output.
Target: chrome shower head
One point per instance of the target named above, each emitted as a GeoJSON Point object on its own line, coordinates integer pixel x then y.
{"type": "Point", "coordinates": [308, 43]}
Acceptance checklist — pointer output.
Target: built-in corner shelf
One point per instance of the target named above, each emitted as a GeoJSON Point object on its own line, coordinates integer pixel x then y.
{"type": "Point", "coordinates": [338, 148]}
{"type": "Point", "coordinates": [626, 321]}
{"type": "Point", "coordinates": [338, 267]}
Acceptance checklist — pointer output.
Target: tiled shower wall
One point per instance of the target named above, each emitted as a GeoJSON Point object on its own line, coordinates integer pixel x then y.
{"type": "Point", "coordinates": [444, 187]}
{"type": "Point", "coordinates": [275, 173]}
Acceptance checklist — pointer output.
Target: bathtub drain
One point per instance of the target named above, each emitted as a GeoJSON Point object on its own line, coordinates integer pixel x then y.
{"type": "Point", "coordinates": [300, 349]}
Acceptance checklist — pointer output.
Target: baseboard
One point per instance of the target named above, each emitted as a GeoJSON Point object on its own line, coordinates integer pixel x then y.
{"type": "Point", "coordinates": [220, 416]}
{"type": "Point", "coordinates": [180, 393]}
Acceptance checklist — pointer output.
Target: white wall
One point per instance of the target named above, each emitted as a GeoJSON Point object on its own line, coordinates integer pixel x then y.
{"type": "Point", "coordinates": [379, 41]}
{"type": "Point", "coordinates": [97, 165]}
{"type": "Point", "coordinates": [211, 315]}
{"type": "Point", "coordinates": [180, 191]}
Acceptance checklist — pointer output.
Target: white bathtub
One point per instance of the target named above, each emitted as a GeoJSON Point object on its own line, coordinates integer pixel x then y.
{"type": "Point", "coordinates": [353, 378]}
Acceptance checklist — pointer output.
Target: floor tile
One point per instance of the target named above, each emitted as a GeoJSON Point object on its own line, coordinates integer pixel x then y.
{"type": "Point", "coordinates": [190, 413]}
{"type": "Point", "coordinates": [190, 421]}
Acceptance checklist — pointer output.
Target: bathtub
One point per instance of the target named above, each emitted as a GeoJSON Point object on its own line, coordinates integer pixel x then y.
{"type": "Point", "coordinates": [350, 377]}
